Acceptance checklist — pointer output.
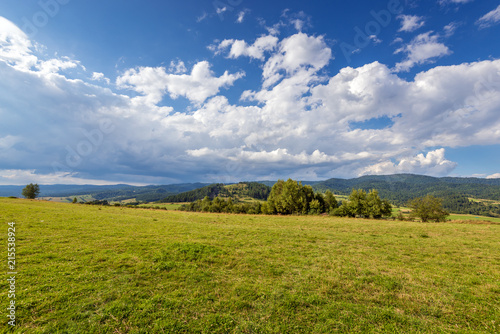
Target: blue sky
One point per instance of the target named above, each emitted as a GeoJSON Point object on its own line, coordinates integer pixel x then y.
{"type": "Point", "coordinates": [164, 92]}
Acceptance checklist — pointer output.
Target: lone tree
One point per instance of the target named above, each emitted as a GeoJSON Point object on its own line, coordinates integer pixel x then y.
{"type": "Point", "coordinates": [428, 208]}
{"type": "Point", "coordinates": [31, 191]}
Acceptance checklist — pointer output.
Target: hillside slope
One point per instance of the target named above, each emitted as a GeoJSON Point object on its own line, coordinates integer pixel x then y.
{"type": "Point", "coordinates": [399, 189]}
{"type": "Point", "coordinates": [237, 191]}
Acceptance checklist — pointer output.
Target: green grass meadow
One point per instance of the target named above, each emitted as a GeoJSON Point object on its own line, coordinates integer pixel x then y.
{"type": "Point", "coordinates": [473, 218]}
{"type": "Point", "coordinates": [164, 206]}
{"type": "Point", "coordinates": [92, 269]}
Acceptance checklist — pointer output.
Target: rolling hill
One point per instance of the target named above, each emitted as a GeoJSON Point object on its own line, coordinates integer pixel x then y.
{"type": "Point", "coordinates": [120, 192]}
{"type": "Point", "coordinates": [242, 190]}
{"type": "Point", "coordinates": [460, 195]}
{"type": "Point", "coordinates": [401, 188]}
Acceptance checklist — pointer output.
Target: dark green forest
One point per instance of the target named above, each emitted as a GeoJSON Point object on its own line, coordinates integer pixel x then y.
{"type": "Point", "coordinates": [456, 193]}
{"type": "Point", "coordinates": [141, 194]}
{"type": "Point", "coordinates": [243, 189]}
{"type": "Point", "coordinates": [401, 188]}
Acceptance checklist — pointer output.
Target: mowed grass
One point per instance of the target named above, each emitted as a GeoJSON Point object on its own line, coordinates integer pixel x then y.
{"type": "Point", "coordinates": [91, 269]}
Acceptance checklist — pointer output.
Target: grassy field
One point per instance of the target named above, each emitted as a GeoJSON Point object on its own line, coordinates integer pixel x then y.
{"type": "Point", "coordinates": [451, 217]}
{"type": "Point", "coordinates": [91, 269]}
{"type": "Point", "coordinates": [473, 218]}
{"type": "Point", "coordinates": [164, 206]}
{"type": "Point", "coordinates": [82, 198]}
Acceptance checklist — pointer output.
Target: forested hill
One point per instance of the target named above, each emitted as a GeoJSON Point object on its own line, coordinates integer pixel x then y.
{"type": "Point", "coordinates": [398, 189]}
{"type": "Point", "coordinates": [401, 188]}
{"type": "Point", "coordinates": [237, 191]}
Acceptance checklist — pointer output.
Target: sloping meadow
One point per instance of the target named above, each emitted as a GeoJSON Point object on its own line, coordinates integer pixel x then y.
{"type": "Point", "coordinates": [91, 269]}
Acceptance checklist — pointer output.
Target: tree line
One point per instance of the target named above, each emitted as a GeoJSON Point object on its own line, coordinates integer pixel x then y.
{"type": "Point", "coordinates": [291, 197]}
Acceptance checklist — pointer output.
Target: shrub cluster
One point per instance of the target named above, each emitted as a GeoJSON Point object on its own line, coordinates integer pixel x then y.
{"type": "Point", "coordinates": [366, 205]}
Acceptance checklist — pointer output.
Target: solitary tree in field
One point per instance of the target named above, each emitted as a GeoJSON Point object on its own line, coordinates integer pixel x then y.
{"type": "Point", "coordinates": [428, 208]}
{"type": "Point", "coordinates": [31, 191]}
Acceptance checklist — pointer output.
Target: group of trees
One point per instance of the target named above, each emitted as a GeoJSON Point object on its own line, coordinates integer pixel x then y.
{"type": "Point", "coordinates": [221, 205]}
{"type": "Point", "coordinates": [291, 197]}
{"type": "Point", "coordinates": [362, 204]}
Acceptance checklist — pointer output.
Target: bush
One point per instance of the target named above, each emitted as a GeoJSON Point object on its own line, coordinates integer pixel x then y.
{"type": "Point", "coordinates": [428, 208]}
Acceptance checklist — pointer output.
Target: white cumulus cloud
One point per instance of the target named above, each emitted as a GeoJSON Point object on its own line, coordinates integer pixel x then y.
{"type": "Point", "coordinates": [295, 53]}
{"type": "Point", "coordinates": [411, 23]}
{"type": "Point", "coordinates": [15, 47]}
{"type": "Point", "coordinates": [155, 82]}
{"type": "Point", "coordinates": [422, 49]}
{"type": "Point", "coordinates": [238, 48]}
{"type": "Point", "coordinates": [97, 76]}
{"type": "Point", "coordinates": [434, 163]}
{"type": "Point", "coordinates": [303, 125]}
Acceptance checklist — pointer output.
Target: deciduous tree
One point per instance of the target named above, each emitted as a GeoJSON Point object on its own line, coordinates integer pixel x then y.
{"type": "Point", "coordinates": [428, 208]}
{"type": "Point", "coordinates": [31, 191]}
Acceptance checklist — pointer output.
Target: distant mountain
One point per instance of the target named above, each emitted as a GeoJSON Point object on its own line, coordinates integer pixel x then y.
{"type": "Point", "coordinates": [398, 189]}
{"type": "Point", "coordinates": [118, 192]}
{"type": "Point", "coordinates": [146, 193]}
{"type": "Point", "coordinates": [57, 189]}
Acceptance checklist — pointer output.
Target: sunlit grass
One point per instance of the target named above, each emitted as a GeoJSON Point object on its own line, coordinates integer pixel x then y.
{"type": "Point", "coordinates": [92, 269]}
{"type": "Point", "coordinates": [164, 206]}
{"type": "Point", "coordinates": [473, 218]}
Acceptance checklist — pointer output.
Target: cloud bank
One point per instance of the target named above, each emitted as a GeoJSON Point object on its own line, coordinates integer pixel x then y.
{"type": "Point", "coordinates": [301, 122]}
